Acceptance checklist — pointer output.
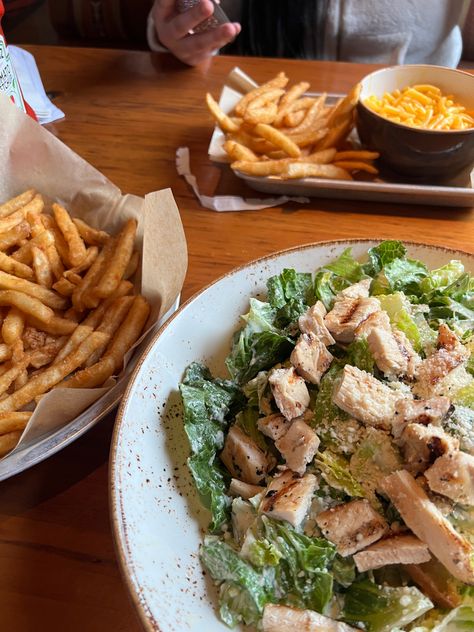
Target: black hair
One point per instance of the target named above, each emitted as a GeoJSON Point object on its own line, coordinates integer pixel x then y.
{"type": "Point", "coordinates": [282, 28]}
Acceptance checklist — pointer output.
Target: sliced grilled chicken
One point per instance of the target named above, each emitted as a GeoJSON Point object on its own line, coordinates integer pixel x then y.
{"type": "Point", "coordinates": [286, 619]}
{"type": "Point", "coordinates": [377, 319]}
{"type": "Point", "coordinates": [453, 476]}
{"type": "Point", "coordinates": [290, 392]}
{"type": "Point", "coordinates": [243, 458]}
{"type": "Point", "coordinates": [392, 352]}
{"type": "Point", "coordinates": [352, 526]}
{"type": "Point", "coordinates": [399, 549]}
{"type": "Point", "coordinates": [288, 497]}
{"type": "Point", "coordinates": [446, 362]}
{"type": "Point", "coordinates": [274, 426]}
{"type": "Point", "coordinates": [435, 581]}
{"type": "Point", "coordinates": [356, 290]}
{"type": "Point", "coordinates": [419, 411]}
{"type": "Point", "coordinates": [312, 322]}
{"type": "Point", "coordinates": [244, 490]}
{"type": "Point", "coordinates": [298, 446]}
{"type": "Point", "coordinates": [427, 522]}
{"type": "Point", "coordinates": [422, 445]}
{"type": "Point", "coordinates": [348, 314]}
{"type": "Point", "coordinates": [364, 397]}
{"type": "Point", "coordinates": [311, 358]}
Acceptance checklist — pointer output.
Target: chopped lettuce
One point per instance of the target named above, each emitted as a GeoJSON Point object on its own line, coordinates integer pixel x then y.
{"type": "Point", "coordinates": [336, 276]}
{"type": "Point", "coordinates": [335, 471]}
{"type": "Point", "coordinates": [461, 425]}
{"type": "Point", "coordinates": [208, 404]}
{"type": "Point", "coordinates": [290, 285]}
{"type": "Point", "coordinates": [302, 576]}
{"type": "Point", "coordinates": [383, 254]}
{"type": "Point", "coordinates": [359, 355]}
{"type": "Point", "coordinates": [259, 345]}
{"type": "Point", "coordinates": [346, 267]}
{"type": "Point", "coordinates": [383, 608]}
{"type": "Point", "coordinates": [399, 311]}
{"type": "Point", "coordinates": [245, 591]}
{"type": "Point", "coordinates": [442, 277]}
{"type": "Point", "coordinates": [465, 396]}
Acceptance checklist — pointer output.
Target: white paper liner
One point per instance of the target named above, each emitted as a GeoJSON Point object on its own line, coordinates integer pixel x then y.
{"type": "Point", "coordinates": [31, 157]}
{"type": "Point", "coordinates": [222, 203]}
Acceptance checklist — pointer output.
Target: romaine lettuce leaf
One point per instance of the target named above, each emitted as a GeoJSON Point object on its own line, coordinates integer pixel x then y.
{"type": "Point", "coordinates": [302, 575]}
{"type": "Point", "coordinates": [359, 355]}
{"type": "Point", "coordinates": [336, 276]}
{"type": "Point", "coordinates": [208, 405]}
{"type": "Point", "coordinates": [259, 345]}
{"type": "Point", "coordinates": [398, 309]}
{"type": "Point", "coordinates": [335, 471]}
{"type": "Point", "coordinates": [290, 285]}
{"type": "Point", "coordinates": [245, 592]}
{"type": "Point", "coordinates": [400, 275]}
{"type": "Point", "coordinates": [442, 277]}
{"type": "Point", "coordinates": [382, 609]}
{"type": "Point", "coordinates": [383, 254]}
{"type": "Point", "coordinates": [347, 267]}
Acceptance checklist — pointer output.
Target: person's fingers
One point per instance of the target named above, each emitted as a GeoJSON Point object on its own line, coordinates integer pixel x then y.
{"type": "Point", "coordinates": [196, 48]}
{"type": "Point", "coordinates": [163, 10]}
{"type": "Point", "coordinates": [181, 24]}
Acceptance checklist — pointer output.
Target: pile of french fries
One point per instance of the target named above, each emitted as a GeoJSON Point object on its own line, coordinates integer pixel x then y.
{"type": "Point", "coordinates": [279, 131]}
{"type": "Point", "coordinates": [69, 312]}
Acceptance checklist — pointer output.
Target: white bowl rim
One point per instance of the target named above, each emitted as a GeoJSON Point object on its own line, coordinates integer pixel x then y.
{"type": "Point", "coordinates": [146, 618]}
{"type": "Point", "coordinates": [419, 130]}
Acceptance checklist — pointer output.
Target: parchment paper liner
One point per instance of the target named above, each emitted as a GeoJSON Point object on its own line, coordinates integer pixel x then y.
{"type": "Point", "coordinates": [31, 157]}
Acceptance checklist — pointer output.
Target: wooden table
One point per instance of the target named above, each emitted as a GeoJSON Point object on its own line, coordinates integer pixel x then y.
{"type": "Point", "coordinates": [127, 113]}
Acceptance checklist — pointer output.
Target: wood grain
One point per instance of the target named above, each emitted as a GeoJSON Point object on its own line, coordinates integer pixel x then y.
{"type": "Point", "coordinates": [127, 113]}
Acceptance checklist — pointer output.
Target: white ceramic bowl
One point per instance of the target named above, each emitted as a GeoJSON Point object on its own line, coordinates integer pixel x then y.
{"type": "Point", "coordinates": [157, 518]}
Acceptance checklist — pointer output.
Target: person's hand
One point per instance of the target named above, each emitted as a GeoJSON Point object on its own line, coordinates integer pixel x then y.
{"type": "Point", "coordinates": [173, 30]}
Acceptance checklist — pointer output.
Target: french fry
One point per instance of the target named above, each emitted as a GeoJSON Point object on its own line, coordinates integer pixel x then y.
{"type": "Point", "coordinates": [8, 441]}
{"type": "Point", "coordinates": [79, 334]}
{"type": "Point", "coordinates": [10, 375]}
{"type": "Point", "coordinates": [335, 134]}
{"type": "Point", "coordinates": [224, 122]}
{"type": "Point", "coordinates": [91, 256]}
{"type": "Point", "coordinates": [292, 119]}
{"type": "Point", "coordinates": [21, 380]}
{"type": "Point", "coordinates": [16, 203]}
{"type": "Point", "coordinates": [42, 267]}
{"type": "Point", "coordinates": [64, 287]}
{"type": "Point", "coordinates": [314, 170]}
{"type": "Point", "coordinates": [279, 81]}
{"type": "Point", "coordinates": [55, 325]}
{"type": "Point", "coordinates": [261, 167]}
{"type": "Point", "coordinates": [75, 243]}
{"type": "Point", "coordinates": [23, 254]}
{"type": "Point", "coordinates": [10, 265]}
{"type": "Point", "coordinates": [6, 223]}
{"type": "Point", "coordinates": [132, 265]}
{"type": "Point", "coordinates": [45, 295]}
{"type": "Point", "coordinates": [345, 106]}
{"type": "Point", "coordinates": [90, 235]}
{"type": "Point", "coordinates": [278, 139]}
{"type": "Point", "coordinates": [356, 154]}
{"type": "Point", "coordinates": [27, 304]}
{"type": "Point", "coordinates": [5, 352]}
{"type": "Point", "coordinates": [127, 334]}
{"type": "Point", "coordinates": [288, 99]}
{"type": "Point", "coordinates": [237, 151]}
{"type": "Point", "coordinates": [82, 296]}
{"type": "Point", "coordinates": [14, 236]}
{"type": "Point", "coordinates": [111, 321]}
{"type": "Point", "coordinates": [52, 375]}
{"type": "Point", "coordinates": [13, 326]}
{"type": "Point", "coordinates": [116, 266]}
{"type": "Point", "coordinates": [265, 114]}
{"type": "Point", "coordinates": [356, 165]}
{"type": "Point", "coordinates": [11, 422]}
{"type": "Point", "coordinates": [311, 121]}
{"type": "Point", "coordinates": [310, 137]}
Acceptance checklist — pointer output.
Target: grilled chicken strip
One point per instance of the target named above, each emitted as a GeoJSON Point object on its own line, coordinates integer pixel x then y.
{"type": "Point", "coordinates": [288, 497]}
{"type": "Point", "coordinates": [243, 458]}
{"type": "Point", "coordinates": [377, 319]}
{"type": "Point", "coordinates": [286, 619]}
{"type": "Point", "coordinates": [352, 526]}
{"type": "Point", "coordinates": [298, 446]}
{"type": "Point", "coordinates": [356, 290]}
{"type": "Point", "coordinates": [290, 392]}
{"type": "Point", "coordinates": [348, 314]}
{"type": "Point", "coordinates": [453, 476]}
{"type": "Point", "coordinates": [312, 322]}
{"type": "Point", "coordinates": [422, 445]}
{"type": "Point", "coordinates": [435, 581]}
{"type": "Point", "coordinates": [393, 352]}
{"type": "Point", "coordinates": [274, 426]}
{"type": "Point", "coordinates": [427, 522]}
{"type": "Point", "coordinates": [244, 490]}
{"type": "Point", "coordinates": [399, 549]}
{"type": "Point", "coordinates": [310, 358]}
{"type": "Point", "coordinates": [433, 373]}
{"type": "Point", "coordinates": [419, 411]}
{"type": "Point", "coordinates": [366, 398]}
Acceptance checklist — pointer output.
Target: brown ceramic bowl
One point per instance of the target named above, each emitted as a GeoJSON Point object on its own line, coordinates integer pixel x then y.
{"type": "Point", "coordinates": [419, 154]}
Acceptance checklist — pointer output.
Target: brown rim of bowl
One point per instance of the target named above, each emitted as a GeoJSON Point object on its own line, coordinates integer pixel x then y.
{"type": "Point", "coordinates": [146, 618]}
{"type": "Point", "coordinates": [402, 125]}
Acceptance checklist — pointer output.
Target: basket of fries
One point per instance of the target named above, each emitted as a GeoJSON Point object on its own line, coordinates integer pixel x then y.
{"type": "Point", "coordinates": [85, 274]}
{"type": "Point", "coordinates": [284, 132]}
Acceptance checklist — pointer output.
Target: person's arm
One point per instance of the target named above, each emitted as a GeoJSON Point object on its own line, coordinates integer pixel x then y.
{"type": "Point", "coordinates": [170, 30]}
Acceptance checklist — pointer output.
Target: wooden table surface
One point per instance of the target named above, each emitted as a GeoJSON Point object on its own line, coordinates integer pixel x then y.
{"type": "Point", "coordinates": [127, 113]}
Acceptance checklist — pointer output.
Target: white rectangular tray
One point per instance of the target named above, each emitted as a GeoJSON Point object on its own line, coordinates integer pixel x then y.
{"type": "Point", "coordinates": [457, 193]}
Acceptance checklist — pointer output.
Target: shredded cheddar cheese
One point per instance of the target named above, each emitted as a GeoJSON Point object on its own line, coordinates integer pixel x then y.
{"type": "Point", "coordinates": [422, 106]}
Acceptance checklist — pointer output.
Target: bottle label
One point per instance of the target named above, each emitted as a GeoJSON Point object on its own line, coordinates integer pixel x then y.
{"type": "Point", "coordinates": [8, 79]}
